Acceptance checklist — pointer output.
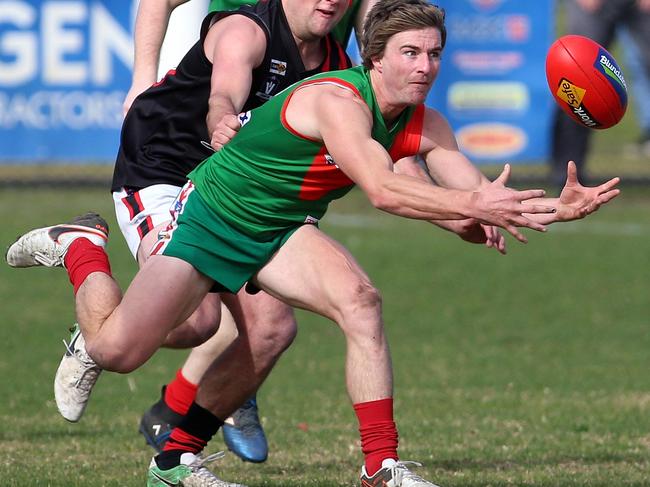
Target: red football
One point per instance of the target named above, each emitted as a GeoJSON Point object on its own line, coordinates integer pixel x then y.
{"type": "Point", "coordinates": [586, 82]}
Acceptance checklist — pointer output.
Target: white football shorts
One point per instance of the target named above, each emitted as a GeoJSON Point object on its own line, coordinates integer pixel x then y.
{"type": "Point", "coordinates": [139, 212]}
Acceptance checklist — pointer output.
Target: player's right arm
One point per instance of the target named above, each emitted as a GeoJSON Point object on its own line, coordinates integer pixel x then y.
{"type": "Point", "coordinates": [150, 27]}
{"type": "Point", "coordinates": [235, 46]}
{"type": "Point", "coordinates": [344, 123]}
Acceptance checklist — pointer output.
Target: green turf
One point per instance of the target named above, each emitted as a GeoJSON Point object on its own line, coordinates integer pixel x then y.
{"type": "Point", "coordinates": [529, 369]}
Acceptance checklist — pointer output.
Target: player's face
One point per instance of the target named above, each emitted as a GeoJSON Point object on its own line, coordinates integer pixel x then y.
{"type": "Point", "coordinates": [410, 64]}
{"type": "Point", "coordinates": [319, 16]}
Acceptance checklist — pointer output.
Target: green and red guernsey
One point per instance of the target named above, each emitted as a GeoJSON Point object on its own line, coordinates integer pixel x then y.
{"type": "Point", "coordinates": [270, 177]}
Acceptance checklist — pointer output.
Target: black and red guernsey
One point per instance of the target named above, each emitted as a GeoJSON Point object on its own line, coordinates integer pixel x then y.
{"type": "Point", "coordinates": [162, 134]}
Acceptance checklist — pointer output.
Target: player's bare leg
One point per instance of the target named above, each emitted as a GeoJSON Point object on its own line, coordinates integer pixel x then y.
{"type": "Point", "coordinates": [203, 323]}
{"type": "Point", "coordinates": [242, 430]}
{"type": "Point", "coordinates": [178, 394]}
{"type": "Point", "coordinates": [52, 247]}
{"type": "Point", "coordinates": [200, 357]}
{"type": "Point", "coordinates": [242, 367]}
{"type": "Point", "coordinates": [335, 286]}
{"type": "Point", "coordinates": [266, 327]}
{"type": "Point", "coordinates": [161, 296]}
{"type": "Point", "coordinates": [316, 273]}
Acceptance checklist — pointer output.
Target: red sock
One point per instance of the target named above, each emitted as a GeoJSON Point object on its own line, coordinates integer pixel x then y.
{"type": "Point", "coordinates": [378, 432]}
{"type": "Point", "coordinates": [196, 429]}
{"type": "Point", "coordinates": [84, 258]}
{"type": "Point", "coordinates": [180, 393]}
{"type": "Point", "coordinates": [184, 441]}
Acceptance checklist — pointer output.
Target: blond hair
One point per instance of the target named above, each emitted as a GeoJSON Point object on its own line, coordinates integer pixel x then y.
{"type": "Point", "coordinates": [390, 17]}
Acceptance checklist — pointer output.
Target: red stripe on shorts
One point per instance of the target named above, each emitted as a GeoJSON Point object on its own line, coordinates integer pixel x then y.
{"type": "Point", "coordinates": [157, 248]}
{"type": "Point", "coordinates": [145, 227]}
{"type": "Point", "coordinates": [133, 203]}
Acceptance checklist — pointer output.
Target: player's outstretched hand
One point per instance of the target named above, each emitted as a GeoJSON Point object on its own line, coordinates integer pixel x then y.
{"type": "Point", "coordinates": [577, 201]}
{"type": "Point", "coordinates": [224, 131]}
{"type": "Point", "coordinates": [496, 204]}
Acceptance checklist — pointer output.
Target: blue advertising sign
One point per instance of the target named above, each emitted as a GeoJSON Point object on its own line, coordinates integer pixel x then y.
{"type": "Point", "coordinates": [492, 83]}
{"type": "Point", "coordinates": [65, 67]}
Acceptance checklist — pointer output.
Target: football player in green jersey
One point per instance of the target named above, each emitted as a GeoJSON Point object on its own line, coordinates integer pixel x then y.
{"type": "Point", "coordinates": [242, 432]}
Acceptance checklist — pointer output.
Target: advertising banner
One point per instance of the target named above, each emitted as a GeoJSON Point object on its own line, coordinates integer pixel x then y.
{"type": "Point", "coordinates": [65, 67]}
{"type": "Point", "coordinates": [492, 84]}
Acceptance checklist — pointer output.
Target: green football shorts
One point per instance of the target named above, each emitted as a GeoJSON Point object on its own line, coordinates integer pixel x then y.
{"type": "Point", "coordinates": [201, 237]}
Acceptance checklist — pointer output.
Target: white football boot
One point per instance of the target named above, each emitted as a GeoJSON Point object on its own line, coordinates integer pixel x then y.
{"type": "Point", "coordinates": [394, 474]}
{"type": "Point", "coordinates": [47, 246]}
{"type": "Point", "coordinates": [75, 378]}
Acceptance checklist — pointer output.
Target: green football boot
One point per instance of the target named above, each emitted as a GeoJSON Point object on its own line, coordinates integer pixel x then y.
{"type": "Point", "coordinates": [190, 473]}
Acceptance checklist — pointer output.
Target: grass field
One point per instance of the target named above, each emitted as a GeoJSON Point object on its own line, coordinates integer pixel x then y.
{"type": "Point", "coordinates": [529, 369]}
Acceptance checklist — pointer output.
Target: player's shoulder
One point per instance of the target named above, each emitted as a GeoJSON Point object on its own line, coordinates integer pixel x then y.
{"type": "Point", "coordinates": [436, 131]}
{"type": "Point", "coordinates": [236, 33]}
{"type": "Point", "coordinates": [325, 97]}
{"type": "Point", "coordinates": [433, 119]}
{"type": "Point", "coordinates": [333, 91]}
{"type": "Point", "coordinates": [233, 21]}
{"type": "Point", "coordinates": [346, 82]}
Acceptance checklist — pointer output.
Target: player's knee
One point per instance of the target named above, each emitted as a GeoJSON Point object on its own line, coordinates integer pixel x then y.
{"type": "Point", "coordinates": [114, 358]}
{"type": "Point", "coordinates": [282, 333]}
{"type": "Point", "coordinates": [361, 304]}
{"type": "Point", "coordinates": [361, 320]}
{"type": "Point", "coordinates": [205, 321]}
{"type": "Point", "coordinates": [366, 297]}
{"type": "Point", "coordinates": [197, 329]}
{"type": "Point", "coordinates": [274, 333]}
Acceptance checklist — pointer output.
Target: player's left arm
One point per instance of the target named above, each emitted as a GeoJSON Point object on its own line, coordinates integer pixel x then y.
{"type": "Point", "coordinates": [469, 229]}
{"type": "Point", "coordinates": [449, 168]}
{"type": "Point", "coordinates": [446, 164]}
{"type": "Point", "coordinates": [150, 28]}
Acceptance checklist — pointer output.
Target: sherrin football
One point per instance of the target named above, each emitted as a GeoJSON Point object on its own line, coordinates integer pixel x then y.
{"type": "Point", "coordinates": [586, 82]}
